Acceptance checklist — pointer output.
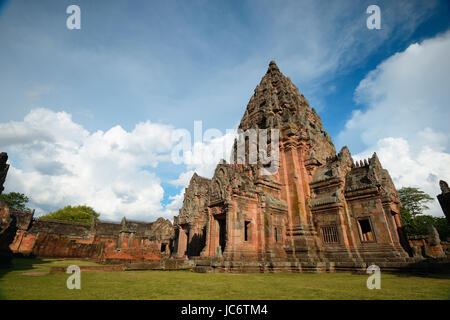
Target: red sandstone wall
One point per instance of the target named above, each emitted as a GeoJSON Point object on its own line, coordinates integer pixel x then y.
{"type": "Point", "coordinates": [134, 249]}
{"type": "Point", "coordinates": [101, 241]}
{"type": "Point", "coordinates": [426, 249]}
{"type": "Point", "coordinates": [48, 245]}
{"type": "Point", "coordinates": [98, 248]}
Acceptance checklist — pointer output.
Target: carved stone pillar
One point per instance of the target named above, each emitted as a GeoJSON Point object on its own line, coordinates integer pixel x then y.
{"type": "Point", "coordinates": [182, 243]}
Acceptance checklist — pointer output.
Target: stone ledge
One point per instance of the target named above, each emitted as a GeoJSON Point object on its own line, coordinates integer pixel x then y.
{"type": "Point", "coordinates": [114, 268]}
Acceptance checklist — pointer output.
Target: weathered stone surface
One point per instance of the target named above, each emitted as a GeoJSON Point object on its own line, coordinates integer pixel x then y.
{"type": "Point", "coordinates": [277, 104]}
{"type": "Point", "coordinates": [7, 222]}
{"type": "Point", "coordinates": [106, 268]}
{"type": "Point", "coordinates": [8, 231]}
{"type": "Point", "coordinates": [3, 169]}
{"type": "Point", "coordinates": [190, 224]}
{"type": "Point", "coordinates": [433, 236]}
{"type": "Point", "coordinates": [319, 212]}
{"type": "Point", "coordinates": [429, 246]}
{"type": "Point", "coordinates": [101, 241]}
{"type": "Point", "coordinates": [444, 199]}
{"type": "Point", "coordinates": [318, 209]}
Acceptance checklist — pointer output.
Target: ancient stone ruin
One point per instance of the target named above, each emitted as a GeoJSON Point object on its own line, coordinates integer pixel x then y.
{"type": "Point", "coordinates": [444, 199]}
{"type": "Point", "coordinates": [7, 222]}
{"type": "Point", "coordinates": [3, 169]}
{"type": "Point", "coordinates": [107, 242]}
{"type": "Point", "coordinates": [321, 211]}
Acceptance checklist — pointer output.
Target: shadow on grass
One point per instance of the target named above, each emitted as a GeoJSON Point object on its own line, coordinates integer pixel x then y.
{"type": "Point", "coordinates": [428, 268]}
{"type": "Point", "coordinates": [436, 268]}
{"type": "Point", "coordinates": [18, 263]}
{"type": "Point", "coordinates": [433, 275]}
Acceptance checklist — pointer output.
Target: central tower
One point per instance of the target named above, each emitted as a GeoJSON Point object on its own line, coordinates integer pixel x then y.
{"type": "Point", "coordinates": [318, 208]}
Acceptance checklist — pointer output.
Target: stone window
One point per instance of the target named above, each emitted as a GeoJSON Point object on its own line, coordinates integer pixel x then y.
{"type": "Point", "coordinates": [277, 234]}
{"type": "Point", "coordinates": [365, 229]}
{"type": "Point", "coordinates": [163, 247]}
{"type": "Point", "coordinates": [330, 234]}
{"type": "Point", "coordinates": [246, 231]}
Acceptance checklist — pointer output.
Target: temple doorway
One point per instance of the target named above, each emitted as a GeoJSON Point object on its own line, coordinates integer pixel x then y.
{"type": "Point", "coordinates": [222, 233]}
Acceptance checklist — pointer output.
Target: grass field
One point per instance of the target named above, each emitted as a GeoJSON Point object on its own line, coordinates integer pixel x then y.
{"type": "Point", "coordinates": [17, 283]}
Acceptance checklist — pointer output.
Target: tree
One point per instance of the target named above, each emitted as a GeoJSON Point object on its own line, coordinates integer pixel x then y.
{"type": "Point", "coordinates": [415, 222]}
{"type": "Point", "coordinates": [414, 200]}
{"type": "Point", "coordinates": [78, 214]}
{"type": "Point", "coordinates": [15, 200]}
{"type": "Point", "coordinates": [442, 227]}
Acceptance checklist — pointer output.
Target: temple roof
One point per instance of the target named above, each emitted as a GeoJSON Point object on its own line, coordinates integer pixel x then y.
{"type": "Point", "coordinates": [278, 104]}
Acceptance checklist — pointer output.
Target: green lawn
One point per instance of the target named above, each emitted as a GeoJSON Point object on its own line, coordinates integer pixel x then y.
{"type": "Point", "coordinates": [189, 285]}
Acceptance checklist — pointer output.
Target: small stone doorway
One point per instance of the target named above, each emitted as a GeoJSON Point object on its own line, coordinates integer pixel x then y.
{"type": "Point", "coordinates": [222, 232]}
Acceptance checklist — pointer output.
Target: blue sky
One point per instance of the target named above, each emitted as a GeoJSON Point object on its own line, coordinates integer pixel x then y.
{"type": "Point", "coordinates": [168, 63]}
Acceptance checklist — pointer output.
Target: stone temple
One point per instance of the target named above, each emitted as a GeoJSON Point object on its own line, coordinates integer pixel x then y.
{"type": "Point", "coordinates": [320, 211]}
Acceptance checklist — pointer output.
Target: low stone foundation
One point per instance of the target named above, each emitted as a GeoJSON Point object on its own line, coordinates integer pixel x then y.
{"type": "Point", "coordinates": [90, 269]}
{"type": "Point", "coordinates": [215, 265]}
{"type": "Point", "coordinates": [167, 264]}
{"type": "Point", "coordinates": [424, 266]}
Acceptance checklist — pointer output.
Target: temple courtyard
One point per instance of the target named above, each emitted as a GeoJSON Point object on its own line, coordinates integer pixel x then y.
{"type": "Point", "coordinates": [31, 279]}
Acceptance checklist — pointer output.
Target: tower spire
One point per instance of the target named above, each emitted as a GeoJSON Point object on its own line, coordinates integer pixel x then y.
{"type": "Point", "coordinates": [272, 67]}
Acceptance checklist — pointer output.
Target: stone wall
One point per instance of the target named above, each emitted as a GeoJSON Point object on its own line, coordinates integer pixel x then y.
{"type": "Point", "coordinates": [318, 209]}
{"type": "Point", "coordinates": [429, 246]}
{"type": "Point", "coordinates": [128, 241]}
{"type": "Point", "coordinates": [190, 224]}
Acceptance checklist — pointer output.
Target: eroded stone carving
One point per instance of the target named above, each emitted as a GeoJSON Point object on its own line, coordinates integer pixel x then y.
{"type": "Point", "coordinates": [320, 206]}
{"type": "Point", "coordinates": [444, 199]}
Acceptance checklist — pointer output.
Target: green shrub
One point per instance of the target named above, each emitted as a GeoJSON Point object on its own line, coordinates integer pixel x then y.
{"type": "Point", "coordinates": [78, 214]}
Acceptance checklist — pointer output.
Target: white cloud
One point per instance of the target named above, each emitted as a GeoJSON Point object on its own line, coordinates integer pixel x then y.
{"type": "Point", "coordinates": [201, 159]}
{"type": "Point", "coordinates": [172, 209]}
{"type": "Point", "coordinates": [18, 132]}
{"type": "Point", "coordinates": [422, 169]}
{"type": "Point", "coordinates": [65, 164]}
{"type": "Point", "coordinates": [61, 163]}
{"type": "Point", "coordinates": [206, 155]}
{"type": "Point", "coordinates": [406, 116]}
{"type": "Point", "coordinates": [183, 179]}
